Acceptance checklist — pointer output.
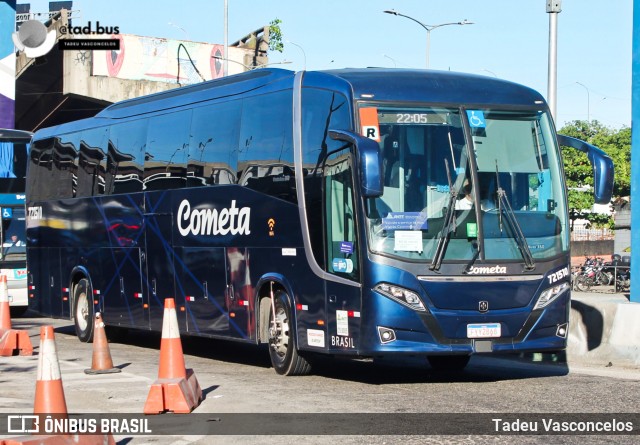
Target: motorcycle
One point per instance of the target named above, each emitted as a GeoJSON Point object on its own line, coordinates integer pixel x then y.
{"type": "Point", "coordinates": [593, 273]}
{"type": "Point", "coordinates": [596, 272]}
{"type": "Point", "coordinates": [621, 270]}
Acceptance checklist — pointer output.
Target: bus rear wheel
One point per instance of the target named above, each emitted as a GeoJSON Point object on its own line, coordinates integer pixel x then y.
{"type": "Point", "coordinates": [83, 310]}
{"type": "Point", "coordinates": [448, 363]}
{"type": "Point", "coordinates": [282, 346]}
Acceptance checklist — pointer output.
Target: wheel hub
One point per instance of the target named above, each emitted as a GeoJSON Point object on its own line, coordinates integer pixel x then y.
{"type": "Point", "coordinates": [279, 334]}
{"type": "Point", "coordinates": [82, 312]}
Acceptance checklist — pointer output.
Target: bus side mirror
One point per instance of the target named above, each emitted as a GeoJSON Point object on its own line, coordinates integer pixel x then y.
{"type": "Point", "coordinates": [369, 161]}
{"type": "Point", "coordinates": [602, 167]}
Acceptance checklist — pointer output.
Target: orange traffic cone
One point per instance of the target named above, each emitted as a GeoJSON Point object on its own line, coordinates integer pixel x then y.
{"type": "Point", "coordinates": [101, 362]}
{"type": "Point", "coordinates": [176, 388]}
{"type": "Point", "coordinates": [50, 401]}
{"type": "Point", "coordinates": [49, 391]}
{"type": "Point", "coordinates": [12, 341]}
{"type": "Point", "coordinates": [5, 310]}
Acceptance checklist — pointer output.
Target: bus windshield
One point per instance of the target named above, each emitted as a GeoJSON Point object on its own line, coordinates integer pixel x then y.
{"type": "Point", "coordinates": [13, 168]}
{"type": "Point", "coordinates": [467, 184]}
{"type": "Point", "coordinates": [13, 230]}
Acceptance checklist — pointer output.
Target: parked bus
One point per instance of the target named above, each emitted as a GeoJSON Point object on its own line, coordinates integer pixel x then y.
{"type": "Point", "coordinates": [315, 212]}
{"type": "Point", "coordinates": [13, 256]}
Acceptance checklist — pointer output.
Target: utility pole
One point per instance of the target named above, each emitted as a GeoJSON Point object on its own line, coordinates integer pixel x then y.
{"type": "Point", "coordinates": [554, 7]}
{"type": "Point", "coordinates": [225, 62]}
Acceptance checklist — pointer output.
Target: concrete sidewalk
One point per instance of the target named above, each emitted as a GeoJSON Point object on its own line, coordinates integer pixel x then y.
{"type": "Point", "coordinates": [604, 329]}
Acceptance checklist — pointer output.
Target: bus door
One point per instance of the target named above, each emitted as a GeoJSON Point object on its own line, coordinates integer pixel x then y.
{"type": "Point", "coordinates": [343, 298]}
{"type": "Point", "coordinates": [202, 280]}
{"type": "Point", "coordinates": [159, 261]}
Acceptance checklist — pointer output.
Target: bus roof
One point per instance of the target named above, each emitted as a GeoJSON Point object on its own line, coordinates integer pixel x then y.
{"type": "Point", "coordinates": [11, 135]}
{"type": "Point", "coordinates": [380, 84]}
{"type": "Point", "coordinates": [227, 86]}
{"type": "Point", "coordinates": [391, 84]}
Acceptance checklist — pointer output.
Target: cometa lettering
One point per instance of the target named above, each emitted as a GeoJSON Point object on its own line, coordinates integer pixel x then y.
{"type": "Point", "coordinates": [209, 221]}
{"type": "Point", "coordinates": [487, 270]}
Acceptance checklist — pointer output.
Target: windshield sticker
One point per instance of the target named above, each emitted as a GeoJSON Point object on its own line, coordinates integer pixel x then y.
{"type": "Point", "coordinates": [476, 118]}
{"type": "Point", "coordinates": [346, 247]}
{"type": "Point", "coordinates": [405, 221]}
{"type": "Point", "coordinates": [472, 230]}
{"type": "Point", "coordinates": [408, 241]}
{"type": "Point", "coordinates": [342, 265]}
{"type": "Point", "coordinates": [369, 123]}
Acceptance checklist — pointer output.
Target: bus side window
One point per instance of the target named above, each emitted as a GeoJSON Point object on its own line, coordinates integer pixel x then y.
{"type": "Point", "coordinates": [39, 159]}
{"type": "Point", "coordinates": [127, 144]}
{"type": "Point", "coordinates": [213, 158]}
{"type": "Point", "coordinates": [93, 160]}
{"type": "Point", "coordinates": [266, 145]}
{"type": "Point", "coordinates": [322, 110]}
{"type": "Point", "coordinates": [63, 164]}
{"type": "Point", "coordinates": [165, 161]}
{"type": "Point", "coordinates": [339, 216]}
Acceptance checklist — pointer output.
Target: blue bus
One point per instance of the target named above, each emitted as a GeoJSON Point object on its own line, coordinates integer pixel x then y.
{"type": "Point", "coordinates": [316, 212]}
{"type": "Point", "coordinates": [14, 146]}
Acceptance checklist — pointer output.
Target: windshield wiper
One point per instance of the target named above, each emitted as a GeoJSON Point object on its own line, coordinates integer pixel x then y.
{"type": "Point", "coordinates": [449, 224]}
{"type": "Point", "coordinates": [505, 206]}
{"type": "Point", "coordinates": [476, 247]}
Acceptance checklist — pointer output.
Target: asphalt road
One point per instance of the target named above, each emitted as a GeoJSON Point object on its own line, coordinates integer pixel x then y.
{"type": "Point", "coordinates": [359, 402]}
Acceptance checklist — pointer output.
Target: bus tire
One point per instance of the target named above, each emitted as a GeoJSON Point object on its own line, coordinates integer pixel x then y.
{"type": "Point", "coordinates": [448, 363]}
{"type": "Point", "coordinates": [83, 310]}
{"type": "Point", "coordinates": [283, 350]}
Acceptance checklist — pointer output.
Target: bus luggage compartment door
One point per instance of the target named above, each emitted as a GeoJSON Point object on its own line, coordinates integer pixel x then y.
{"type": "Point", "coordinates": [201, 278]}
{"type": "Point", "coordinates": [122, 287]}
{"type": "Point", "coordinates": [160, 268]}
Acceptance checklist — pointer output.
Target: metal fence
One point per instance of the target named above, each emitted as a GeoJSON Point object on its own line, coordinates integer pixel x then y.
{"type": "Point", "coordinates": [584, 234]}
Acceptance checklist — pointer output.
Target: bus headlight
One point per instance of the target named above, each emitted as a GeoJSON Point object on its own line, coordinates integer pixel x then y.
{"type": "Point", "coordinates": [550, 294]}
{"type": "Point", "coordinates": [401, 295]}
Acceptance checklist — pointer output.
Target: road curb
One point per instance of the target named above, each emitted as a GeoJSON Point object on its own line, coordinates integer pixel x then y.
{"type": "Point", "coordinates": [603, 329]}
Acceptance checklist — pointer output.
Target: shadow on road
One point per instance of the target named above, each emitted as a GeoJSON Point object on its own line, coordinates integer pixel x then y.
{"type": "Point", "coordinates": [592, 321]}
{"type": "Point", "coordinates": [481, 368]}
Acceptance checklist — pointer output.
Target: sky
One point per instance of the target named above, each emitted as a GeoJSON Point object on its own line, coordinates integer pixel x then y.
{"type": "Point", "coordinates": [509, 39]}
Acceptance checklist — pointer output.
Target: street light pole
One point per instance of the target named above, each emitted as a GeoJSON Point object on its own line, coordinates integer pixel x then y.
{"type": "Point", "coordinates": [428, 28]}
{"type": "Point", "coordinates": [251, 68]}
{"type": "Point", "coordinates": [554, 7]}
{"type": "Point", "coordinates": [304, 55]}
{"type": "Point", "coordinates": [588, 102]}
{"type": "Point", "coordinates": [225, 64]}
{"type": "Point", "coordinates": [181, 29]}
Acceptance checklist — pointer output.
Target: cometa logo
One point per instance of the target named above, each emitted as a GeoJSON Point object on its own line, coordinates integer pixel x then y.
{"type": "Point", "coordinates": [210, 221]}
{"type": "Point", "coordinates": [488, 270]}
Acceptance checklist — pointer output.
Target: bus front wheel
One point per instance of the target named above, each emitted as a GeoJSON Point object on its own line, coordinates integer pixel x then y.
{"type": "Point", "coordinates": [83, 310]}
{"type": "Point", "coordinates": [282, 346]}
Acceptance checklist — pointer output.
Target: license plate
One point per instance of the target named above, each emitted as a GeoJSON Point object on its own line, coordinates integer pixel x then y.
{"type": "Point", "coordinates": [483, 330]}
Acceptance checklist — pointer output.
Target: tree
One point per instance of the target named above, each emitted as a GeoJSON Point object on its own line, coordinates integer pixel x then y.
{"type": "Point", "coordinates": [579, 173]}
{"type": "Point", "coordinates": [275, 36]}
